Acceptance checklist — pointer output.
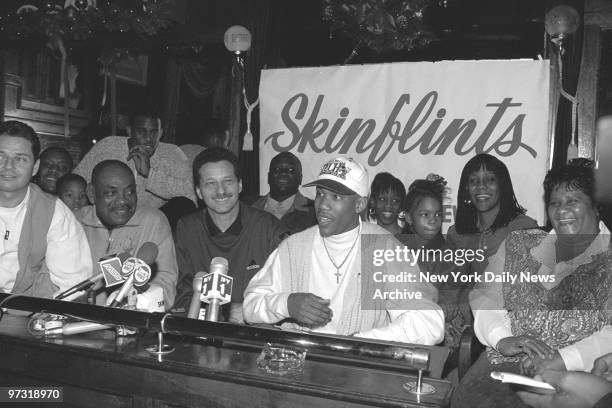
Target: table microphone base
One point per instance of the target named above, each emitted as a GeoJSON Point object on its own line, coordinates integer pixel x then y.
{"type": "Point", "coordinates": [160, 349]}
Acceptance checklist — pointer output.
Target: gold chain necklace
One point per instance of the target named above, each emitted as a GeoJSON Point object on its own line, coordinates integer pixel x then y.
{"type": "Point", "coordinates": [338, 274]}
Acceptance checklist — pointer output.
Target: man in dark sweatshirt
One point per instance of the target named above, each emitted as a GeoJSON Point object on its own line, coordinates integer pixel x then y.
{"type": "Point", "coordinates": [226, 228]}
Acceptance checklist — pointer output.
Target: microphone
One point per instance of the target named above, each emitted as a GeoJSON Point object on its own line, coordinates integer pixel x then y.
{"type": "Point", "coordinates": [109, 270]}
{"type": "Point", "coordinates": [80, 287]}
{"type": "Point", "coordinates": [216, 288]}
{"type": "Point", "coordinates": [76, 328]}
{"type": "Point", "coordinates": [196, 303]}
{"type": "Point", "coordinates": [136, 270]}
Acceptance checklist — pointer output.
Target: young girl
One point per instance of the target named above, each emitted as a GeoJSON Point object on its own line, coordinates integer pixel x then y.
{"type": "Point", "coordinates": [386, 197]}
{"type": "Point", "coordinates": [423, 206]}
{"type": "Point", "coordinates": [71, 190]}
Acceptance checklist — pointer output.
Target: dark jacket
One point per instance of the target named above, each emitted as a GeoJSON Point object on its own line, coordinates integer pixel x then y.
{"type": "Point", "coordinates": [300, 216]}
{"type": "Point", "coordinates": [246, 245]}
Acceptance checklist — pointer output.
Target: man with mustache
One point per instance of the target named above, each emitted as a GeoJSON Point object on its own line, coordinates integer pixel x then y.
{"type": "Point", "coordinates": [115, 224]}
{"type": "Point", "coordinates": [161, 169]}
{"type": "Point", "coordinates": [285, 201]}
{"type": "Point", "coordinates": [227, 228]}
{"type": "Point", "coordinates": [316, 279]}
{"type": "Point", "coordinates": [43, 250]}
{"type": "Point", "coordinates": [55, 162]}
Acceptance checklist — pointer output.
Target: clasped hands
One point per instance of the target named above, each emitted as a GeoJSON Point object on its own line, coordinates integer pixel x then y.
{"type": "Point", "coordinates": [538, 356]}
{"type": "Point", "coordinates": [141, 154]}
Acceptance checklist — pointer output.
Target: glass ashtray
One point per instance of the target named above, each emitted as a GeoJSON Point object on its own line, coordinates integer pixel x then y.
{"type": "Point", "coordinates": [279, 359]}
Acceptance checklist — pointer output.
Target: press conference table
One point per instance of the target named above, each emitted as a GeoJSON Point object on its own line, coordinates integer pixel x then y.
{"type": "Point", "coordinates": [101, 370]}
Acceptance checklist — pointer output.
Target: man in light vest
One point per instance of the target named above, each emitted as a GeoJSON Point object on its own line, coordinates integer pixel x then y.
{"type": "Point", "coordinates": [43, 248]}
{"type": "Point", "coordinates": [317, 280]}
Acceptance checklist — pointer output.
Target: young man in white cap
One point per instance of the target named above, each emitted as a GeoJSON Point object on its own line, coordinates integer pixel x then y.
{"type": "Point", "coordinates": [313, 281]}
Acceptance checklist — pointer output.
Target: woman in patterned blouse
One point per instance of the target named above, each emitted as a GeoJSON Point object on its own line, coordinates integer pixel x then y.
{"type": "Point", "coordinates": [550, 304]}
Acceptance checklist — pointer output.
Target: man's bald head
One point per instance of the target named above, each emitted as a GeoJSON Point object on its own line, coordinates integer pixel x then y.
{"type": "Point", "coordinates": [289, 157]}
{"type": "Point", "coordinates": [284, 175]}
{"type": "Point", "coordinates": [106, 166]}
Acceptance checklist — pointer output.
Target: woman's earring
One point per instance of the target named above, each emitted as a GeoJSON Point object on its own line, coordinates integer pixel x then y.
{"type": "Point", "coordinates": [371, 211]}
{"type": "Point", "coordinates": [468, 201]}
{"type": "Point", "coordinates": [401, 219]}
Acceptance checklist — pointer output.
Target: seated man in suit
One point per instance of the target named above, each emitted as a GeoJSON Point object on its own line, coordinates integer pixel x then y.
{"type": "Point", "coordinates": [44, 250]}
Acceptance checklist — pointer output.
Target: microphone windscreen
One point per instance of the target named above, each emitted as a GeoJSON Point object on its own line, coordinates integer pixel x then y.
{"type": "Point", "coordinates": [123, 256]}
{"type": "Point", "coordinates": [148, 253]}
{"type": "Point", "coordinates": [197, 282]}
{"type": "Point", "coordinates": [219, 264]}
{"type": "Point", "coordinates": [195, 305]}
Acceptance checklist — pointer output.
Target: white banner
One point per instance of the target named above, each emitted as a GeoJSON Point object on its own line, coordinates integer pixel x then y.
{"type": "Point", "coordinates": [412, 119]}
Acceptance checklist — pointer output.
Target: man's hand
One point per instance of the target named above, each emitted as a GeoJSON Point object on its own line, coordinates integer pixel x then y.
{"type": "Point", "coordinates": [142, 159]}
{"type": "Point", "coordinates": [536, 365]}
{"type": "Point", "coordinates": [574, 390]}
{"type": "Point", "coordinates": [603, 367]}
{"type": "Point", "coordinates": [511, 346]}
{"type": "Point", "coordinates": [309, 309]}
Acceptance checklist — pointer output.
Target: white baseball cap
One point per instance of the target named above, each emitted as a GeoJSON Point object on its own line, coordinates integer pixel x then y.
{"type": "Point", "coordinates": [343, 176]}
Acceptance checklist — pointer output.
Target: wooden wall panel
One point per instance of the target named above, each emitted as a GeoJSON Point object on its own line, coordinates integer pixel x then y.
{"type": "Point", "coordinates": [46, 118]}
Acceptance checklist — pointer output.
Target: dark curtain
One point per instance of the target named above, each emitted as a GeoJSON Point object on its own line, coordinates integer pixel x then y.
{"type": "Point", "coordinates": [196, 92]}
{"type": "Point", "coordinates": [201, 77]}
{"type": "Point", "coordinates": [261, 30]}
{"type": "Point", "coordinates": [172, 97]}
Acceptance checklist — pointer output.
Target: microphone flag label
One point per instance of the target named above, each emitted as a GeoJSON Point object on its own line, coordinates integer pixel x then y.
{"type": "Point", "coordinates": [111, 270]}
{"type": "Point", "coordinates": [129, 265]}
{"type": "Point", "coordinates": [217, 286]}
{"type": "Point", "coordinates": [142, 274]}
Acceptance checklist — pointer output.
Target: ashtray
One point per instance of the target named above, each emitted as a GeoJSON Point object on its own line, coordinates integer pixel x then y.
{"type": "Point", "coordinates": [279, 359]}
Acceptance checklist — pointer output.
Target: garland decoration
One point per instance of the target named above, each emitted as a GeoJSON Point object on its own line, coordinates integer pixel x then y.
{"type": "Point", "coordinates": [82, 19]}
{"type": "Point", "coordinates": [381, 25]}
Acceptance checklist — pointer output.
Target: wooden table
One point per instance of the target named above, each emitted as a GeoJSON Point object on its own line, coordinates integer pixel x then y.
{"type": "Point", "coordinates": [101, 370]}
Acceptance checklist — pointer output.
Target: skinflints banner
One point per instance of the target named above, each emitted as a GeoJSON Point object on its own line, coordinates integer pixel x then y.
{"type": "Point", "coordinates": [412, 119]}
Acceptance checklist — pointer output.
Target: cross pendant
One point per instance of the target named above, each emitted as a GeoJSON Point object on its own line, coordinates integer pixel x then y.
{"type": "Point", "coordinates": [338, 275]}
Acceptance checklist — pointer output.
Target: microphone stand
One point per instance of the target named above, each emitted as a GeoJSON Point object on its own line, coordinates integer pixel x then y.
{"type": "Point", "coordinates": [212, 311]}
